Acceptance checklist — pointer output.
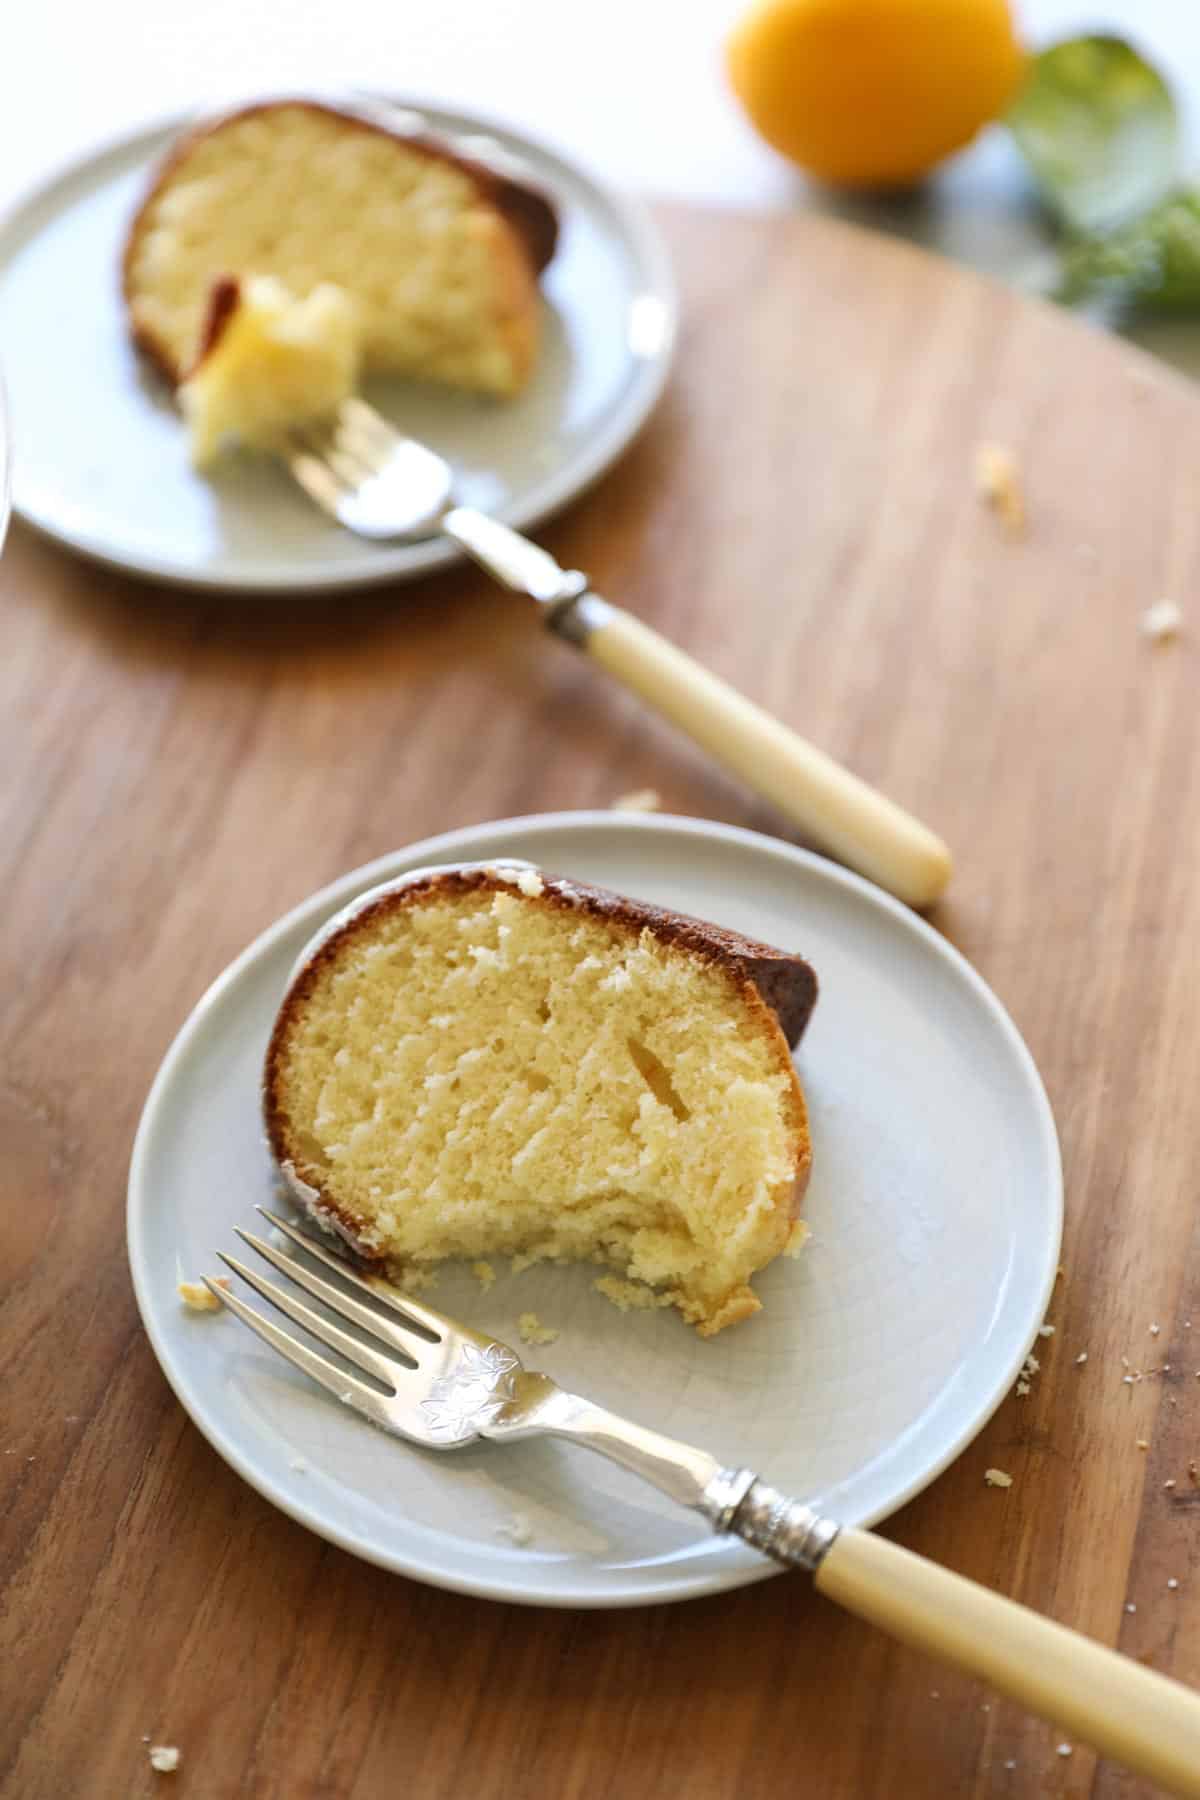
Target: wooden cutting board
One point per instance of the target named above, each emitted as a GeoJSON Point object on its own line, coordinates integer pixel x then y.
{"type": "Point", "coordinates": [178, 770]}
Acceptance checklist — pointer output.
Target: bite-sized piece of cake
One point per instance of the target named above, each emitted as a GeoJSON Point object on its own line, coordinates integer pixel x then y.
{"type": "Point", "coordinates": [268, 361]}
{"type": "Point", "coordinates": [486, 1059]}
{"type": "Point", "coordinates": [440, 256]}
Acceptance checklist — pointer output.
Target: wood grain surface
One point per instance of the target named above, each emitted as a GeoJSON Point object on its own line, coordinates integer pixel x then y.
{"type": "Point", "coordinates": [178, 770]}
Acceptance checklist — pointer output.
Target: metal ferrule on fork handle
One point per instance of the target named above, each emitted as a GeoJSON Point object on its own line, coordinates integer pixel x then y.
{"type": "Point", "coordinates": [785, 1530]}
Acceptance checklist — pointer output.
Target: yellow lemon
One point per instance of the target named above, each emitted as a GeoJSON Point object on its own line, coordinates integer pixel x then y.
{"type": "Point", "coordinates": [873, 93]}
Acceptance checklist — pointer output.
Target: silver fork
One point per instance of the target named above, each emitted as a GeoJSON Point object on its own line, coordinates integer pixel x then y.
{"type": "Point", "coordinates": [382, 485]}
{"type": "Point", "coordinates": [442, 1385]}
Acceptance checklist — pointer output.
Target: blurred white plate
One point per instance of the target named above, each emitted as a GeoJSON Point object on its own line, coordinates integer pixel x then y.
{"type": "Point", "coordinates": [101, 461]}
{"type": "Point", "coordinates": [935, 1208]}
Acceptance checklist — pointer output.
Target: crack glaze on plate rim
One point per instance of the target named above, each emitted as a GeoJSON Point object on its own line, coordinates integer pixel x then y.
{"type": "Point", "coordinates": [455, 1545]}
{"type": "Point", "coordinates": [611, 239]}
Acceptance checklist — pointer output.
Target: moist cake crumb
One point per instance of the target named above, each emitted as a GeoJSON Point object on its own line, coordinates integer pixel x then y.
{"type": "Point", "coordinates": [199, 1298]}
{"type": "Point", "coordinates": [484, 1274]}
{"type": "Point", "coordinates": [532, 1331]}
{"type": "Point", "coordinates": [797, 1238]}
{"type": "Point", "coordinates": [415, 1280]}
{"type": "Point", "coordinates": [629, 1296]}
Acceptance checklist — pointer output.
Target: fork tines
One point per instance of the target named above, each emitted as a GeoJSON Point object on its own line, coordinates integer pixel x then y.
{"type": "Point", "coordinates": [330, 455]}
{"type": "Point", "coordinates": [399, 1372]}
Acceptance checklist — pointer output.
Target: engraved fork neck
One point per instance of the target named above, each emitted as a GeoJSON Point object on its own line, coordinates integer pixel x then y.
{"type": "Point", "coordinates": [676, 1469]}
{"type": "Point", "coordinates": [513, 560]}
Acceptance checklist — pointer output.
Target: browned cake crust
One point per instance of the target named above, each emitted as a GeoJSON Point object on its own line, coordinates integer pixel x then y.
{"type": "Point", "coordinates": [222, 304]}
{"type": "Point", "coordinates": [780, 982]}
{"type": "Point", "coordinates": [528, 212]}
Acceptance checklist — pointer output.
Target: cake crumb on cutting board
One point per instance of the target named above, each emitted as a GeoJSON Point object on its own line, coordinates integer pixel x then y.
{"type": "Point", "coordinates": [998, 484]}
{"type": "Point", "coordinates": [643, 800]}
{"type": "Point", "coordinates": [1160, 621]}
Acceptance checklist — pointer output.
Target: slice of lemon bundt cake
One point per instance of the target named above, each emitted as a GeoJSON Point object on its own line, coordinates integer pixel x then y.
{"type": "Point", "coordinates": [439, 256]}
{"type": "Point", "coordinates": [487, 1059]}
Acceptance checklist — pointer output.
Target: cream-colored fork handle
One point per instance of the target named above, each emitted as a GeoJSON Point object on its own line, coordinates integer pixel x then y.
{"type": "Point", "coordinates": [1149, 1723]}
{"type": "Point", "coordinates": [833, 806]}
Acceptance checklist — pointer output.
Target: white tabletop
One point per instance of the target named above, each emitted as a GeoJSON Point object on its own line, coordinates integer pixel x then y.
{"type": "Point", "coordinates": [633, 87]}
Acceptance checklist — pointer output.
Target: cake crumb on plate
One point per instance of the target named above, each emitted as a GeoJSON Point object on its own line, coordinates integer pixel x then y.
{"type": "Point", "coordinates": [484, 1274]}
{"type": "Point", "coordinates": [517, 1529]}
{"type": "Point", "coordinates": [532, 1331]}
{"type": "Point", "coordinates": [798, 1236]}
{"type": "Point", "coordinates": [198, 1298]}
{"type": "Point", "coordinates": [415, 1280]}
{"type": "Point", "coordinates": [629, 1296]}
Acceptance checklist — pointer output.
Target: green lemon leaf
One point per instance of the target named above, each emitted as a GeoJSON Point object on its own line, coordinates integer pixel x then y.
{"type": "Point", "coordinates": [1097, 125]}
{"type": "Point", "coordinates": [1151, 264]}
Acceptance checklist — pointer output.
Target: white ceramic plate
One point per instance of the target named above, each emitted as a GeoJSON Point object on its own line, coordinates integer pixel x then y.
{"type": "Point", "coordinates": [102, 462]}
{"type": "Point", "coordinates": [935, 1208]}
